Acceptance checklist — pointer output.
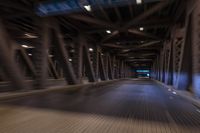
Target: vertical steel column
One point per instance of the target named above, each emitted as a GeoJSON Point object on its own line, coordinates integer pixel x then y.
{"type": "Point", "coordinates": [169, 75]}
{"type": "Point", "coordinates": [113, 66]}
{"type": "Point", "coordinates": [101, 68]}
{"type": "Point", "coordinates": [40, 56]}
{"type": "Point", "coordinates": [88, 64]}
{"type": "Point", "coordinates": [196, 48]}
{"type": "Point", "coordinates": [96, 61]}
{"type": "Point", "coordinates": [78, 60]}
{"type": "Point", "coordinates": [118, 69]}
{"type": "Point", "coordinates": [105, 59]}
{"type": "Point", "coordinates": [110, 68]}
{"type": "Point", "coordinates": [161, 65]}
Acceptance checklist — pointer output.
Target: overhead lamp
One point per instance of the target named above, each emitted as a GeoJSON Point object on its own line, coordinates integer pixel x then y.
{"type": "Point", "coordinates": [108, 31]}
{"type": "Point", "coordinates": [70, 59]}
{"type": "Point", "coordinates": [30, 54]}
{"type": "Point", "coordinates": [24, 46]}
{"type": "Point", "coordinates": [50, 55]}
{"type": "Point", "coordinates": [141, 28]}
{"type": "Point", "coordinates": [138, 2]}
{"type": "Point", "coordinates": [88, 8]}
{"type": "Point", "coordinates": [91, 49]}
{"type": "Point", "coordinates": [28, 35]}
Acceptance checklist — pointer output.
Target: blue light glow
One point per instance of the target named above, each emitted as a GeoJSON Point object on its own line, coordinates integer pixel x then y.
{"type": "Point", "coordinates": [142, 71]}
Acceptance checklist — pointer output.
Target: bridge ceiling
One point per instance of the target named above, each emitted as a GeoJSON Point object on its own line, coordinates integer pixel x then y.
{"type": "Point", "coordinates": [132, 31]}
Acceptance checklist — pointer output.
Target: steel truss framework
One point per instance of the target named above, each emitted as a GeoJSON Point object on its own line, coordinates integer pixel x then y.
{"type": "Point", "coordinates": [178, 62]}
{"type": "Point", "coordinates": [163, 35]}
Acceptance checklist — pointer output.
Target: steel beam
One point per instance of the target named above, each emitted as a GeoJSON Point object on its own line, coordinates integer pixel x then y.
{"type": "Point", "coordinates": [53, 68]}
{"type": "Point", "coordinates": [9, 66]}
{"type": "Point", "coordinates": [63, 56]}
{"type": "Point", "coordinates": [28, 62]}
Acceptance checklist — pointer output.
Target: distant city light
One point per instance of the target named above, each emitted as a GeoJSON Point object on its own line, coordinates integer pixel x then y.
{"type": "Point", "coordinates": [108, 31]}
{"type": "Point", "coordinates": [138, 2]}
{"type": "Point", "coordinates": [91, 49]}
{"type": "Point", "coordinates": [88, 8]}
{"type": "Point", "coordinates": [141, 28]}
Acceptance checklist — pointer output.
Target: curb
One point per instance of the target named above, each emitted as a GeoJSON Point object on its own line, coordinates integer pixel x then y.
{"type": "Point", "coordinates": [190, 98]}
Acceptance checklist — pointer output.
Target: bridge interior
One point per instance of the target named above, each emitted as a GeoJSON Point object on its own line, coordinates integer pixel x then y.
{"type": "Point", "coordinates": [73, 66]}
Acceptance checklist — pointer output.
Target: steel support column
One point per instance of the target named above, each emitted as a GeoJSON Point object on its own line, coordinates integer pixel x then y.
{"type": "Point", "coordinates": [101, 68]}
{"type": "Point", "coordinates": [40, 56]}
{"type": "Point", "coordinates": [88, 64]}
{"type": "Point", "coordinates": [196, 48]}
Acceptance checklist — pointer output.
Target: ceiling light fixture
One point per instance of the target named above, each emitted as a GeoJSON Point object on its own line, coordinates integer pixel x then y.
{"type": "Point", "coordinates": [138, 2]}
{"type": "Point", "coordinates": [30, 35]}
{"type": "Point", "coordinates": [91, 49]}
{"type": "Point", "coordinates": [30, 54]}
{"type": "Point", "coordinates": [24, 46]}
{"type": "Point", "coordinates": [88, 8]}
{"type": "Point", "coordinates": [108, 31]}
{"type": "Point", "coordinates": [70, 59]}
{"type": "Point", "coordinates": [141, 28]}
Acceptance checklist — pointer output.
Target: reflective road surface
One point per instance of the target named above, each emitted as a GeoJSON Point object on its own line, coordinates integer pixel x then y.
{"type": "Point", "coordinates": [130, 106]}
